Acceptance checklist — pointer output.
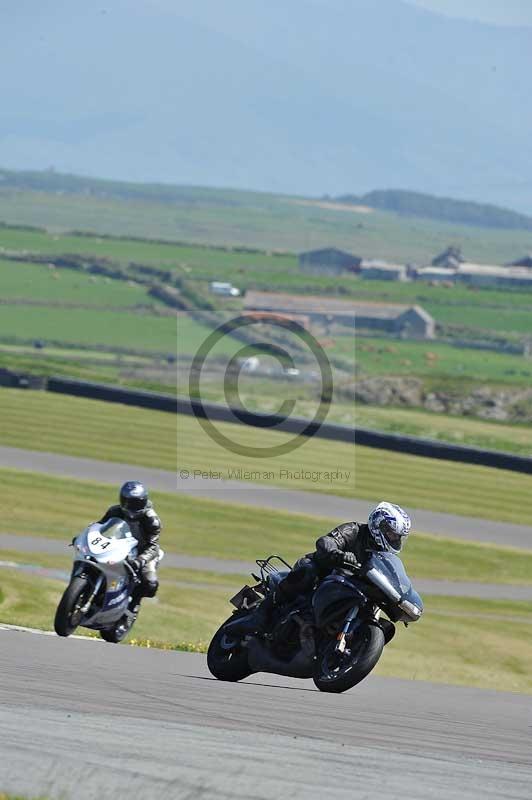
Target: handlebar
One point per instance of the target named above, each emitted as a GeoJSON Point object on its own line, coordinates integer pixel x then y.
{"type": "Point", "coordinates": [133, 572]}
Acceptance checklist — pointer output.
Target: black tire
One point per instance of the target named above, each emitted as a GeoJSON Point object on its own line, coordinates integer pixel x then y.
{"type": "Point", "coordinates": [349, 669]}
{"type": "Point", "coordinates": [227, 660]}
{"type": "Point", "coordinates": [67, 616]}
{"type": "Point", "coordinates": [119, 630]}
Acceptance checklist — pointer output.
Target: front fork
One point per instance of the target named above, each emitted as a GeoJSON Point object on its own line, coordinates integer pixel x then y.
{"type": "Point", "coordinates": [85, 609]}
{"type": "Point", "coordinates": [78, 571]}
{"type": "Point", "coordinates": [347, 631]}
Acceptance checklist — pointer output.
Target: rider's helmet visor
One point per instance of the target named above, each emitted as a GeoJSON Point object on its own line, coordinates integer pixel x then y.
{"type": "Point", "coordinates": [394, 539]}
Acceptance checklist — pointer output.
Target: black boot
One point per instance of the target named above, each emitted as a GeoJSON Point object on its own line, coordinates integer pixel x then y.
{"type": "Point", "coordinates": [136, 597]}
{"type": "Point", "coordinates": [255, 622]}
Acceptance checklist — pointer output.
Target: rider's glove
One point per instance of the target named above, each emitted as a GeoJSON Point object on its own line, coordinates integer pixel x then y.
{"type": "Point", "coordinates": [350, 560]}
{"type": "Point", "coordinates": [135, 563]}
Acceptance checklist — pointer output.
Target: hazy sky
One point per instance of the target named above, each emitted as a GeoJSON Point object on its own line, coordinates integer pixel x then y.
{"type": "Point", "coordinates": [500, 12]}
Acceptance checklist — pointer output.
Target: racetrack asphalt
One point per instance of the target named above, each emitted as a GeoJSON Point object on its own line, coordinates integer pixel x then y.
{"type": "Point", "coordinates": [88, 720]}
{"type": "Point", "coordinates": [260, 495]}
{"type": "Point", "coordinates": [483, 591]}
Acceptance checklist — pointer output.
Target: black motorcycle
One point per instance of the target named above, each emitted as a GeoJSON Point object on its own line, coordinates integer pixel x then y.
{"type": "Point", "coordinates": [336, 636]}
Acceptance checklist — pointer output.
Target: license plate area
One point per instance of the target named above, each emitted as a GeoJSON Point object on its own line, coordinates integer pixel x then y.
{"type": "Point", "coordinates": [247, 597]}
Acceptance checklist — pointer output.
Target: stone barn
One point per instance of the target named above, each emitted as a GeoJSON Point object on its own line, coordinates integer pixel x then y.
{"type": "Point", "coordinates": [397, 320]}
{"type": "Point", "coordinates": [329, 261]}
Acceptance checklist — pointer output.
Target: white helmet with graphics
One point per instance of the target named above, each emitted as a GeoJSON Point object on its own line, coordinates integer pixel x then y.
{"type": "Point", "coordinates": [389, 525]}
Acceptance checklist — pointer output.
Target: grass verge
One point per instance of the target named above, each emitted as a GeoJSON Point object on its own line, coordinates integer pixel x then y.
{"type": "Point", "coordinates": [113, 432]}
{"type": "Point", "coordinates": [458, 430]}
{"type": "Point", "coordinates": [459, 641]}
{"type": "Point", "coordinates": [60, 508]}
{"type": "Point", "coordinates": [18, 797]}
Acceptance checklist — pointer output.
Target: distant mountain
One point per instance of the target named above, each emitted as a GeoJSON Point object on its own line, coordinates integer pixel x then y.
{"type": "Point", "coordinates": [444, 209]}
{"type": "Point", "coordinates": [398, 201]}
{"type": "Point", "coordinates": [306, 96]}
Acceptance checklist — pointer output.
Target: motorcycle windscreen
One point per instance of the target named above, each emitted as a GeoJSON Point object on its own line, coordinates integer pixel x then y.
{"type": "Point", "coordinates": [115, 528]}
{"type": "Point", "coordinates": [391, 567]}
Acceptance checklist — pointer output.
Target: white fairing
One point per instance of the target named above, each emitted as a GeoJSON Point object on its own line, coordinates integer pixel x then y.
{"type": "Point", "coordinates": [100, 554]}
{"type": "Point", "coordinates": [100, 551]}
{"type": "Point", "coordinates": [106, 551]}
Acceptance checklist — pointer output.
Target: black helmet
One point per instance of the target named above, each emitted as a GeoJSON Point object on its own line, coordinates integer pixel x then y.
{"type": "Point", "coordinates": [133, 499]}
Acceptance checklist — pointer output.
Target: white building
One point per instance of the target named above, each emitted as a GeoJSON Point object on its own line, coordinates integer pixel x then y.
{"type": "Point", "coordinates": [382, 271]}
{"type": "Point", "coordinates": [481, 275]}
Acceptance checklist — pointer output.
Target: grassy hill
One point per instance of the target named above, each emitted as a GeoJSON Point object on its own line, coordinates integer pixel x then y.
{"type": "Point", "coordinates": [416, 204]}
{"type": "Point", "coordinates": [239, 218]}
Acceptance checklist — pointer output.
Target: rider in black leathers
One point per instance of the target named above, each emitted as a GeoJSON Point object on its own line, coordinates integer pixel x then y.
{"type": "Point", "coordinates": [347, 545]}
{"type": "Point", "coordinates": [137, 510]}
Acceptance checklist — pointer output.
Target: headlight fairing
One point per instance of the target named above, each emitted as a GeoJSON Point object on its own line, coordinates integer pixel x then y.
{"type": "Point", "coordinates": [413, 611]}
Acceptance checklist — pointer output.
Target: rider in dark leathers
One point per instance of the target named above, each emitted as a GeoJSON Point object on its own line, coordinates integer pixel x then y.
{"type": "Point", "coordinates": [347, 545]}
{"type": "Point", "coordinates": [137, 510]}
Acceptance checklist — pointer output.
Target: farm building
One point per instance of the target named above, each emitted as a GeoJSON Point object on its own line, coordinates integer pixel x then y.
{"type": "Point", "coordinates": [481, 275]}
{"type": "Point", "coordinates": [400, 320]}
{"type": "Point", "coordinates": [329, 261]}
{"type": "Point", "coordinates": [451, 257]}
{"type": "Point", "coordinates": [435, 274]}
{"type": "Point", "coordinates": [382, 271]}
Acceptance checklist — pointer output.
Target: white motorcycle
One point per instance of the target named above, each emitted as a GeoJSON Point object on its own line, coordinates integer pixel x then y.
{"type": "Point", "coordinates": [102, 582]}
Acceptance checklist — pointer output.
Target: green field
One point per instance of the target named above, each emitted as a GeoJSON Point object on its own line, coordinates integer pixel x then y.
{"type": "Point", "coordinates": [433, 361]}
{"type": "Point", "coordinates": [87, 365]}
{"type": "Point", "coordinates": [260, 220]}
{"type": "Point", "coordinates": [508, 319]}
{"type": "Point", "coordinates": [479, 313]}
{"type": "Point", "coordinates": [89, 327]}
{"type": "Point", "coordinates": [168, 255]}
{"type": "Point", "coordinates": [460, 430]}
{"type": "Point", "coordinates": [75, 426]}
{"type": "Point", "coordinates": [55, 423]}
{"type": "Point", "coordinates": [112, 329]}
{"type": "Point", "coordinates": [26, 281]}
{"type": "Point", "coordinates": [467, 313]}
{"type": "Point", "coordinates": [251, 270]}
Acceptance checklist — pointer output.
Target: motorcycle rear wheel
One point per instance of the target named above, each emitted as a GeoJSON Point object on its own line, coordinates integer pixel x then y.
{"type": "Point", "coordinates": [227, 660]}
{"type": "Point", "coordinates": [337, 672]}
{"type": "Point", "coordinates": [68, 616]}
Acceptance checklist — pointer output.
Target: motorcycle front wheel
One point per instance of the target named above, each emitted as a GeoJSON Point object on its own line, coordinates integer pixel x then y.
{"type": "Point", "coordinates": [68, 614]}
{"type": "Point", "coordinates": [338, 672]}
{"type": "Point", "coordinates": [227, 660]}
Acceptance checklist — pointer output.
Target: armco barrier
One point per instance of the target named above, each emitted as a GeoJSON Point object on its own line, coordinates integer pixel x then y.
{"type": "Point", "coordinates": [340, 433]}
{"type": "Point", "coordinates": [184, 405]}
{"type": "Point", "coordinates": [431, 448]}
